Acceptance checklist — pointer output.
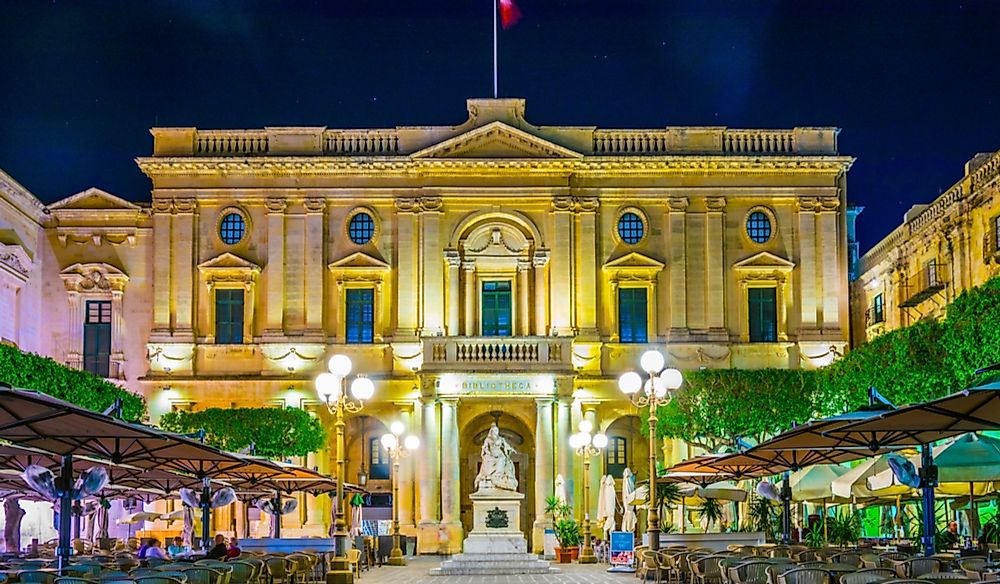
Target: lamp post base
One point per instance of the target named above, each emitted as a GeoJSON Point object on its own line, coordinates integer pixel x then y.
{"type": "Point", "coordinates": [340, 572]}
{"type": "Point", "coordinates": [396, 557]}
{"type": "Point", "coordinates": [587, 555]}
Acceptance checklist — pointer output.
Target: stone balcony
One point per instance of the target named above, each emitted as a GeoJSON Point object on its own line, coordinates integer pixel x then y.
{"type": "Point", "coordinates": [479, 354]}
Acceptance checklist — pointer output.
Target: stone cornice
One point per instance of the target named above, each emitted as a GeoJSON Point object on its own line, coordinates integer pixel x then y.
{"type": "Point", "coordinates": [273, 165]}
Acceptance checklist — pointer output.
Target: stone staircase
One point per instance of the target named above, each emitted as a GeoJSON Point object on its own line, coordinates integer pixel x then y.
{"type": "Point", "coordinates": [503, 564]}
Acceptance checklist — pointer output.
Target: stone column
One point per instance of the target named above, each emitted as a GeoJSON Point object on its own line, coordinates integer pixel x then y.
{"type": "Point", "coordinates": [117, 334]}
{"type": "Point", "coordinates": [561, 280]}
{"type": "Point", "coordinates": [161, 265]}
{"type": "Point", "coordinates": [314, 268]}
{"type": "Point", "coordinates": [75, 326]}
{"type": "Point", "coordinates": [544, 465]}
{"type": "Point", "coordinates": [807, 264]}
{"type": "Point", "coordinates": [406, 268]}
{"type": "Point", "coordinates": [454, 261]}
{"type": "Point", "coordinates": [565, 454]}
{"type": "Point", "coordinates": [275, 268]}
{"type": "Point", "coordinates": [523, 318]}
{"type": "Point", "coordinates": [678, 266]}
{"type": "Point", "coordinates": [185, 251]}
{"type": "Point", "coordinates": [429, 479]}
{"type": "Point", "coordinates": [431, 276]}
{"type": "Point", "coordinates": [469, 326]}
{"type": "Point", "coordinates": [451, 507]}
{"type": "Point", "coordinates": [716, 285]}
{"type": "Point", "coordinates": [830, 247]}
{"type": "Point", "coordinates": [596, 463]}
{"type": "Point", "coordinates": [588, 300]}
{"type": "Point", "coordinates": [541, 292]}
{"type": "Point", "coordinates": [405, 479]}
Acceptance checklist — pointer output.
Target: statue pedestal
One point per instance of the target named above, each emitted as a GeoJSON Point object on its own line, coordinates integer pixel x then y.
{"type": "Point", "coordinates": [496, 544]}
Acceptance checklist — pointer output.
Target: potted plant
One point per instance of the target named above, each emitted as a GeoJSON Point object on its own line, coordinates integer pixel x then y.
{"type": "Point", "coordinates": [566, 528]}
{"type": "Point", "coordinates": [710, 513]}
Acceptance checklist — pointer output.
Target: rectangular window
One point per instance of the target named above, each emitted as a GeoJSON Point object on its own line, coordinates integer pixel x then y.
{"type": "Point", "coordinates": [932, 276]}
{"type": "Point", "coordinates": [229, 316]}
{"type": "Point", "coordinates": [632, 315]}
{"type": "Point", "coordinates": [97, 338]}
{"type": "Point", "coordinates": [379, 460]}
{"type": "Point", "coordinates": [496, 309]}
{"type": "Point", "coordinates": [878, 309]}
{"type": "Point", "coordinates": [360, 315]}
{"type": "Point", "coordinates": [763, 309]}
{"type": "Point", "coordinates": [615, 459]}
{"type": "Point", "coordinates": [996, 234]}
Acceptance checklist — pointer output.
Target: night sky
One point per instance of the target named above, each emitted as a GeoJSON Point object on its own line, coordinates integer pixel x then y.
{"type": "Point", "coordinates": [913, 84]}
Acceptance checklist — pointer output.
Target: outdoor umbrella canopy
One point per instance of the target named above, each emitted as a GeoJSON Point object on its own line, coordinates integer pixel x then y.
{"type": "Point", "coordinates": [160, 480]}
{"type": "Point", "coordinates": [854, 482]}
{"type": "Point", "coordinates": [970, 410]}
{"type": "Point", "coordinates": [725, 491]}
{"type": "Point", "coordinates": [967, 459]}
{"type": "Point", "coordinates": [732, 466]}
{"type": "Point", "coordinates": [700, 479]}
{"type": "Point", "coordinates": [815, 483]}
{"type": "Point", "coordinates": [35, 420]}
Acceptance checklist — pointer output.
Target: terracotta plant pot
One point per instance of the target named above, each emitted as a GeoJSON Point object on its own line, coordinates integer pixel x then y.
{"type": "Point", "coordinates": [567, 554]}
{"type": "Point", "coordinates": [575, 551]}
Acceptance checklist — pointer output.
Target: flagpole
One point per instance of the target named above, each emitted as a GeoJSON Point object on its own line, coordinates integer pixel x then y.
{"type": "Point", "coordinates": [495, 77]}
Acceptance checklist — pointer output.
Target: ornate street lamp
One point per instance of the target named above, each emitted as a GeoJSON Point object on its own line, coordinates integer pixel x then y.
{"type": "Point", "coordinates": [587, 446]}
{"type": "Point", "coordinates": [396, 451]}
{"type": "Point", "coordinates": [332, 389]}
{"type": "Point", "coordinates": [659, 383]}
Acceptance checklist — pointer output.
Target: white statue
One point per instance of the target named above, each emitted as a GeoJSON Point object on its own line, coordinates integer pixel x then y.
{"type": "Point", "coordinates": [497, 471]}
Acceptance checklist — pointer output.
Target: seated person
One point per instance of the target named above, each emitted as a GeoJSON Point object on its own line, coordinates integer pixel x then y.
{"type": "Point", "coordinates": [154, 551]}
{"type": "Point", "coordinates": [177, 548]}
{"type": "Point", "coordinates": [220, 550]}
{"type": "Point", "coordinates": [234, 549]}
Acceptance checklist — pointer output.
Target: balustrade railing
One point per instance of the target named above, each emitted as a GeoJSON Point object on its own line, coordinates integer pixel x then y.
{"type": "Point", "coordinates": [230, 143]}
{"type": "Point", "coordinates": [360, 142]}
{"type": "Point", "coordinates": [497, 353]}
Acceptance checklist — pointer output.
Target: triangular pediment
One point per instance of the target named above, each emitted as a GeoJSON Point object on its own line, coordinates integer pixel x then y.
{"type": "Point", "coordinates": [634, 261]}
{"type": "Point", "coordinates": [228, 261]}
{"type": "Point", "coordinates": [94, 198]}
{"type": "Point", "coordinates": [496, 140]}
{"type": "Point", "coordinates": [764, 261]}
{"type": "Point", "coordinates": [359, 260]}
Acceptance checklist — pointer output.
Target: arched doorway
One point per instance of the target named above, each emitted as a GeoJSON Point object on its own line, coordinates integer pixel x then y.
{"type": "Point", "coordinates": [521, 438]}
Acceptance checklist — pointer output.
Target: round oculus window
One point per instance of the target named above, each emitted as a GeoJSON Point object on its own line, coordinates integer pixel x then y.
{"type": "Point", "coordinates": [232, 228]}
{"type": "Point", "coordinates": [759, 227]}
{"type": "Point", "coordinates": [361, 228]}
{"type": "Point", "coordinates": [631, 229]}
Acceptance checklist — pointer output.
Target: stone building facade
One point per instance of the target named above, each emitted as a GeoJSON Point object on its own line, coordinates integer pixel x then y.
{"type": "Point", "coordinates": [491, 270]}
{"type": "Point", "coordinates": [941, 249]}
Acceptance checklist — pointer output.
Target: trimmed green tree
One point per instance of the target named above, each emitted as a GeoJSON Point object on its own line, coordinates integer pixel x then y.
{"type": "Point", "coordinates": [274, 432]}
{"type": "Point", "coordinates": [42, 374]}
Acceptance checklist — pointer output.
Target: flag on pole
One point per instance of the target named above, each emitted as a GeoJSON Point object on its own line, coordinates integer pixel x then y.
{"type": "Point", "coordinates": [509, 13]}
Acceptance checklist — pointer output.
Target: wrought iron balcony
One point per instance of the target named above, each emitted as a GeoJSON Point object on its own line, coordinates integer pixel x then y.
{"type": "Point", "coordinates": [923, 285]}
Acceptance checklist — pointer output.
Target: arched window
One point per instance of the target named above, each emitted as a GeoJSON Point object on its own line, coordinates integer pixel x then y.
{"type": "Point", "coordinates": [631, 229]}
{"type": "Point", "coordinates": [615, 458]}
{"type": "Point", "coordinates": [361, 229]}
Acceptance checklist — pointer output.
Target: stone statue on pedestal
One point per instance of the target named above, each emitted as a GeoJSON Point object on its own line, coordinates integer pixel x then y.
{"type": "Point", "coordinates": [497, 470]}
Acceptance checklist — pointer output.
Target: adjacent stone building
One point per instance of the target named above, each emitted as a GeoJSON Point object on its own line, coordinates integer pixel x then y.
{"type": "Point", "coordinates": [941, 249]}
{"type": "Point", "coordinates": [492, 269]}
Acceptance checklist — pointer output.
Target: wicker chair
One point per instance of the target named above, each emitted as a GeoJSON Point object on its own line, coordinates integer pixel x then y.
{"type": "Point", "coordinates": [916, 567]}
{"type": "Point", "coordinates": [867, 576]}
{"type": "Point", "coordinates": [650, 564]}
{"type": "Point", "coordinates": [176, 575]}
{"type": "Point", "coordinates": [243, 572]}
{"type": "Point", "coordinates": [36, 577]}
{"type": "Point", "coordinates": [707, 570]}
{"type": "Point", "coordinates": [73, 580]}
{"type": "Point", "coordinates": [203, 575]}
{"type": "Point", "coordinates": [780, 551]}
{"type": "Point", "coordinates": [156, 580]}
{"type": "Point", "coordinates": [677, 567]}
{"type": "Point", "coordinates": [804, 576]}
{"type": "Point", "coordinates": [894, 556]}
{"type": "Point", "coordinates": [776, 569]}
{"type": "Point", "coordinates": [140, 572]}
{"type": "Point", "coordinates": [850, 558]}
{"type": "Point", "coordinates": [973, 567]}
{"type": "Point", "coordinates": [280, 570]}
{"type": "Point", "coordinates": [753, 572]}
{"type": "Point", "coordinates": [806, 556]}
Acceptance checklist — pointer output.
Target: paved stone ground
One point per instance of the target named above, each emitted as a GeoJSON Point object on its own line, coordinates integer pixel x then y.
{"type": "Point", "coordinates": [417, 572]}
